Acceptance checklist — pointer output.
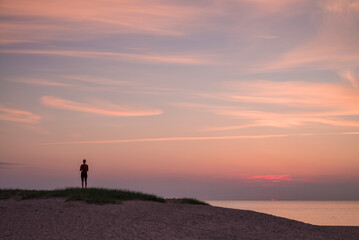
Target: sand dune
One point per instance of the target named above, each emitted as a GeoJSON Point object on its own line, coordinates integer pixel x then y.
{"type": "Point", "coordinates": [58, 219]}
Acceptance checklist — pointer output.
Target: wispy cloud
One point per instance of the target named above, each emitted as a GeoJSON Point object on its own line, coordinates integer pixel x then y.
{"type": "Point", "coordinates": [92, 19]}
{"type": "Point", "coordinates": [81, 83]}
{"type": "Point", "coordinates": [42, 82]}
{"type": "Point", "coordinates": [208, 138]}
{"type": "Point", "coordinates": [271, 178]}
{"type": "Point", "coordinates": [350, 77]}
{"type": "Point", "coordinates": [341, 6]}
{"type": "Point", "coordinates": [295, 93]}
{"type": "Point", "coordinates": [282, 120]}
{"type": "Point", "coordinates": [17, 115]}
{"type": "Point", "coordinates": [96, 84]}
{"type": "Point", "coordinates": [311, 58]}
{"type": "Point", "coordinates": [145, 58]}
{"type": "Point", "coordinates": [333, 47]}
{"type": "Point", "coordinates": [351, 133]}
{"type": "Point", "coordinates": [261, 179]}
{"type": "Point", "coordinates": [282, 104]}
{"type": "Point", "coordinates": [97, 80]}
{"type": "Point", "coordinates": [103, 108]}
{"type": "Point", "coordinates": [7, 164]}
{"type": "Point", "coordinates": [266, 36]}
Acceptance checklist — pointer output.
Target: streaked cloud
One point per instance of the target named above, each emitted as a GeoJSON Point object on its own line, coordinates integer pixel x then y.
{"type": "Point", "coordinates": [283, 120]}
{"type": "Point", "coordinates": [295, 93]}
{"type": "Point", "coordinates": [80, 82]}
{"type": "Point", "coordinates": [260, 179]}
{"type": "Point", "coordinates": [103, 108]}
{"type": "Point", "coordinates": [146, 58]}
{"type": "Point", "coordinates": [266, 36]}
{"type": "Point", "coordinates": [208, 138]}
{"type": "Point", "coordinates": [7, 163]}
{"type": "Point", "coordinates": [310, 58]}
{"type": "Point", "coordinates": [4, 165]}
{"type": "Point", "coordinates": [42, 82]}
{"type": "Point", "coordinates": [272, 178]}
{"type": "Point", "coordinates": [250, 102]}
{"type": "Point", "coordinates": [350, 77]}
{"type": "Point", "coordinates": [17, 115]}
{"type": "Point", "coordinates": [96, 84]}
{"type": "Point", "coordinates": [170, 139]}
{"type": "Point", "coordinates": [352, 133]}
{"type": "Point", "coordinates": [333, 47]}
{"type": "Point", "coordinates": [97, 80]}
{"type": "Point", "coordinates": [341, 5]}
{"type": "Point", "coordinates": [264, 8]}
{"type": "Point", "coordinates": [91, 19]}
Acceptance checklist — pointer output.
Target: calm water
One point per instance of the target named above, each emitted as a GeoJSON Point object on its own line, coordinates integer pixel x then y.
{"type": "Point", "coordinates": [339, 213]}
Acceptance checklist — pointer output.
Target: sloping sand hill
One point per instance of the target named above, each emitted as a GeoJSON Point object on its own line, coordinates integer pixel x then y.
{"type": "Point", "coordinates": [58, 219]}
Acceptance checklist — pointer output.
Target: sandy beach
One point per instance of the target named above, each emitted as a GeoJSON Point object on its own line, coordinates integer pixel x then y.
{"type": "Point", "coordinates": [58, 219]}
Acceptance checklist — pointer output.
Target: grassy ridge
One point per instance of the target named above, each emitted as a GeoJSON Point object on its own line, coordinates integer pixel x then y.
{"type": "Point", "coordinates": [90, 195]}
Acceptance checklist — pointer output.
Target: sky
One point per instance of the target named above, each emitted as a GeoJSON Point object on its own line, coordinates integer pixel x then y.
{"type": "Point", "coordinates": [218, 100]}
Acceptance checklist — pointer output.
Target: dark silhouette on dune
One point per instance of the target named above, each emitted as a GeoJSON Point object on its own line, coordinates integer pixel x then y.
{"type": "Point", "coordinates": [84, 168]}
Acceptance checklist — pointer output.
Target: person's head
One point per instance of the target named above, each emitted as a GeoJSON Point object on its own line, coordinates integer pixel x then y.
{"type": "Point", "coordinates": [84, 161]}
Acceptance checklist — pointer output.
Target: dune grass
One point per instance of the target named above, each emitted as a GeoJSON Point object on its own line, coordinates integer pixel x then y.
{"type": "Point", "coordinates": [90, 195]}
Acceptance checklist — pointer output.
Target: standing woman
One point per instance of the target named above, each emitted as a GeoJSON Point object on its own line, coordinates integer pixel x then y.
{"type": "Point", "coordinates": [84, 169]}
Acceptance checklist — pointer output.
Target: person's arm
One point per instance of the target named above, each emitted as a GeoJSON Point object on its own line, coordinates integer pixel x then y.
{"type": "Point", "coordinates": [80, 167]}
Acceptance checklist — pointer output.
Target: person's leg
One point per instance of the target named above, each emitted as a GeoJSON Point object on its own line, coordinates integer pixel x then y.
{"type": "Point", "coordinates": [82, 180]}
{"type": "Point", "coordinates": [86, 180]}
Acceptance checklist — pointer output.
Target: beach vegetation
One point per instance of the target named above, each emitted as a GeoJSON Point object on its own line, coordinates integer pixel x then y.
{"type": "Point", "coordinates": [91, 195]}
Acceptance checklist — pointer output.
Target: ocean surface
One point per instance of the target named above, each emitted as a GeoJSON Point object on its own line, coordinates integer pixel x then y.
{"type": "Point", "coordinates": [337, 213]}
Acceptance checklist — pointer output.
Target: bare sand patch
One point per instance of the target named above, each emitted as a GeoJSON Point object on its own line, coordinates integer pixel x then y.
{"type": "Point", "coordinates": [58, 219]}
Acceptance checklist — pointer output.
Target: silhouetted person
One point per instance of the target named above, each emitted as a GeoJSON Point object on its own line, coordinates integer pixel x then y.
{"type": "Point", "coordinates": [84, 169]}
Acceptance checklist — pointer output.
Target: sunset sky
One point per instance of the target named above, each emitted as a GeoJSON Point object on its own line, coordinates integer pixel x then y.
{"type": "Point", "coordinates": [231, 99]}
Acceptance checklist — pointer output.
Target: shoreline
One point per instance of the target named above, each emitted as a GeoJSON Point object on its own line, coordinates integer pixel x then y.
{"type": "Point", "coordinates": [55, 218]}
{"type": "Point", "coordinates": [321, 213]}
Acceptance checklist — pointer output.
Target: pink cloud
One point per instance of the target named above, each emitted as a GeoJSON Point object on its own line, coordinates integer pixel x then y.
{"type": "Point", "coordinates": [312, 58]}
{"type": "Point", "coordinates": [341, 5]}
{"type": "Point", "coordinates": [333, 47]}
{"type": "Point", "coordinates": [106, 109]}
{"type": "Point", "coordinates": [147, 58]}
{"type": "Point", "coordinates": [306, 103]}
{"type": "Point", "coordinates": [261, 178]}
{"type": "Point", "coordinates": [351, 133]}
{"type": "Point", "coordinates": [281, 120]}
{"type": "Point", "coordinates": [273, 178]}
{"type": "Point", "coordinates": [16, 115]}
{"type": "Point", "coordinates": [84, 19]}
{"type": "Point", "coordinates": [209, 138]}
{"type": "Point", "coordinates": [351, 78]}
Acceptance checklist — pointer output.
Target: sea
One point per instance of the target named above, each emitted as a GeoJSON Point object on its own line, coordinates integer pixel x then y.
{"type": "Point", "coordinates": [326, 213]}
